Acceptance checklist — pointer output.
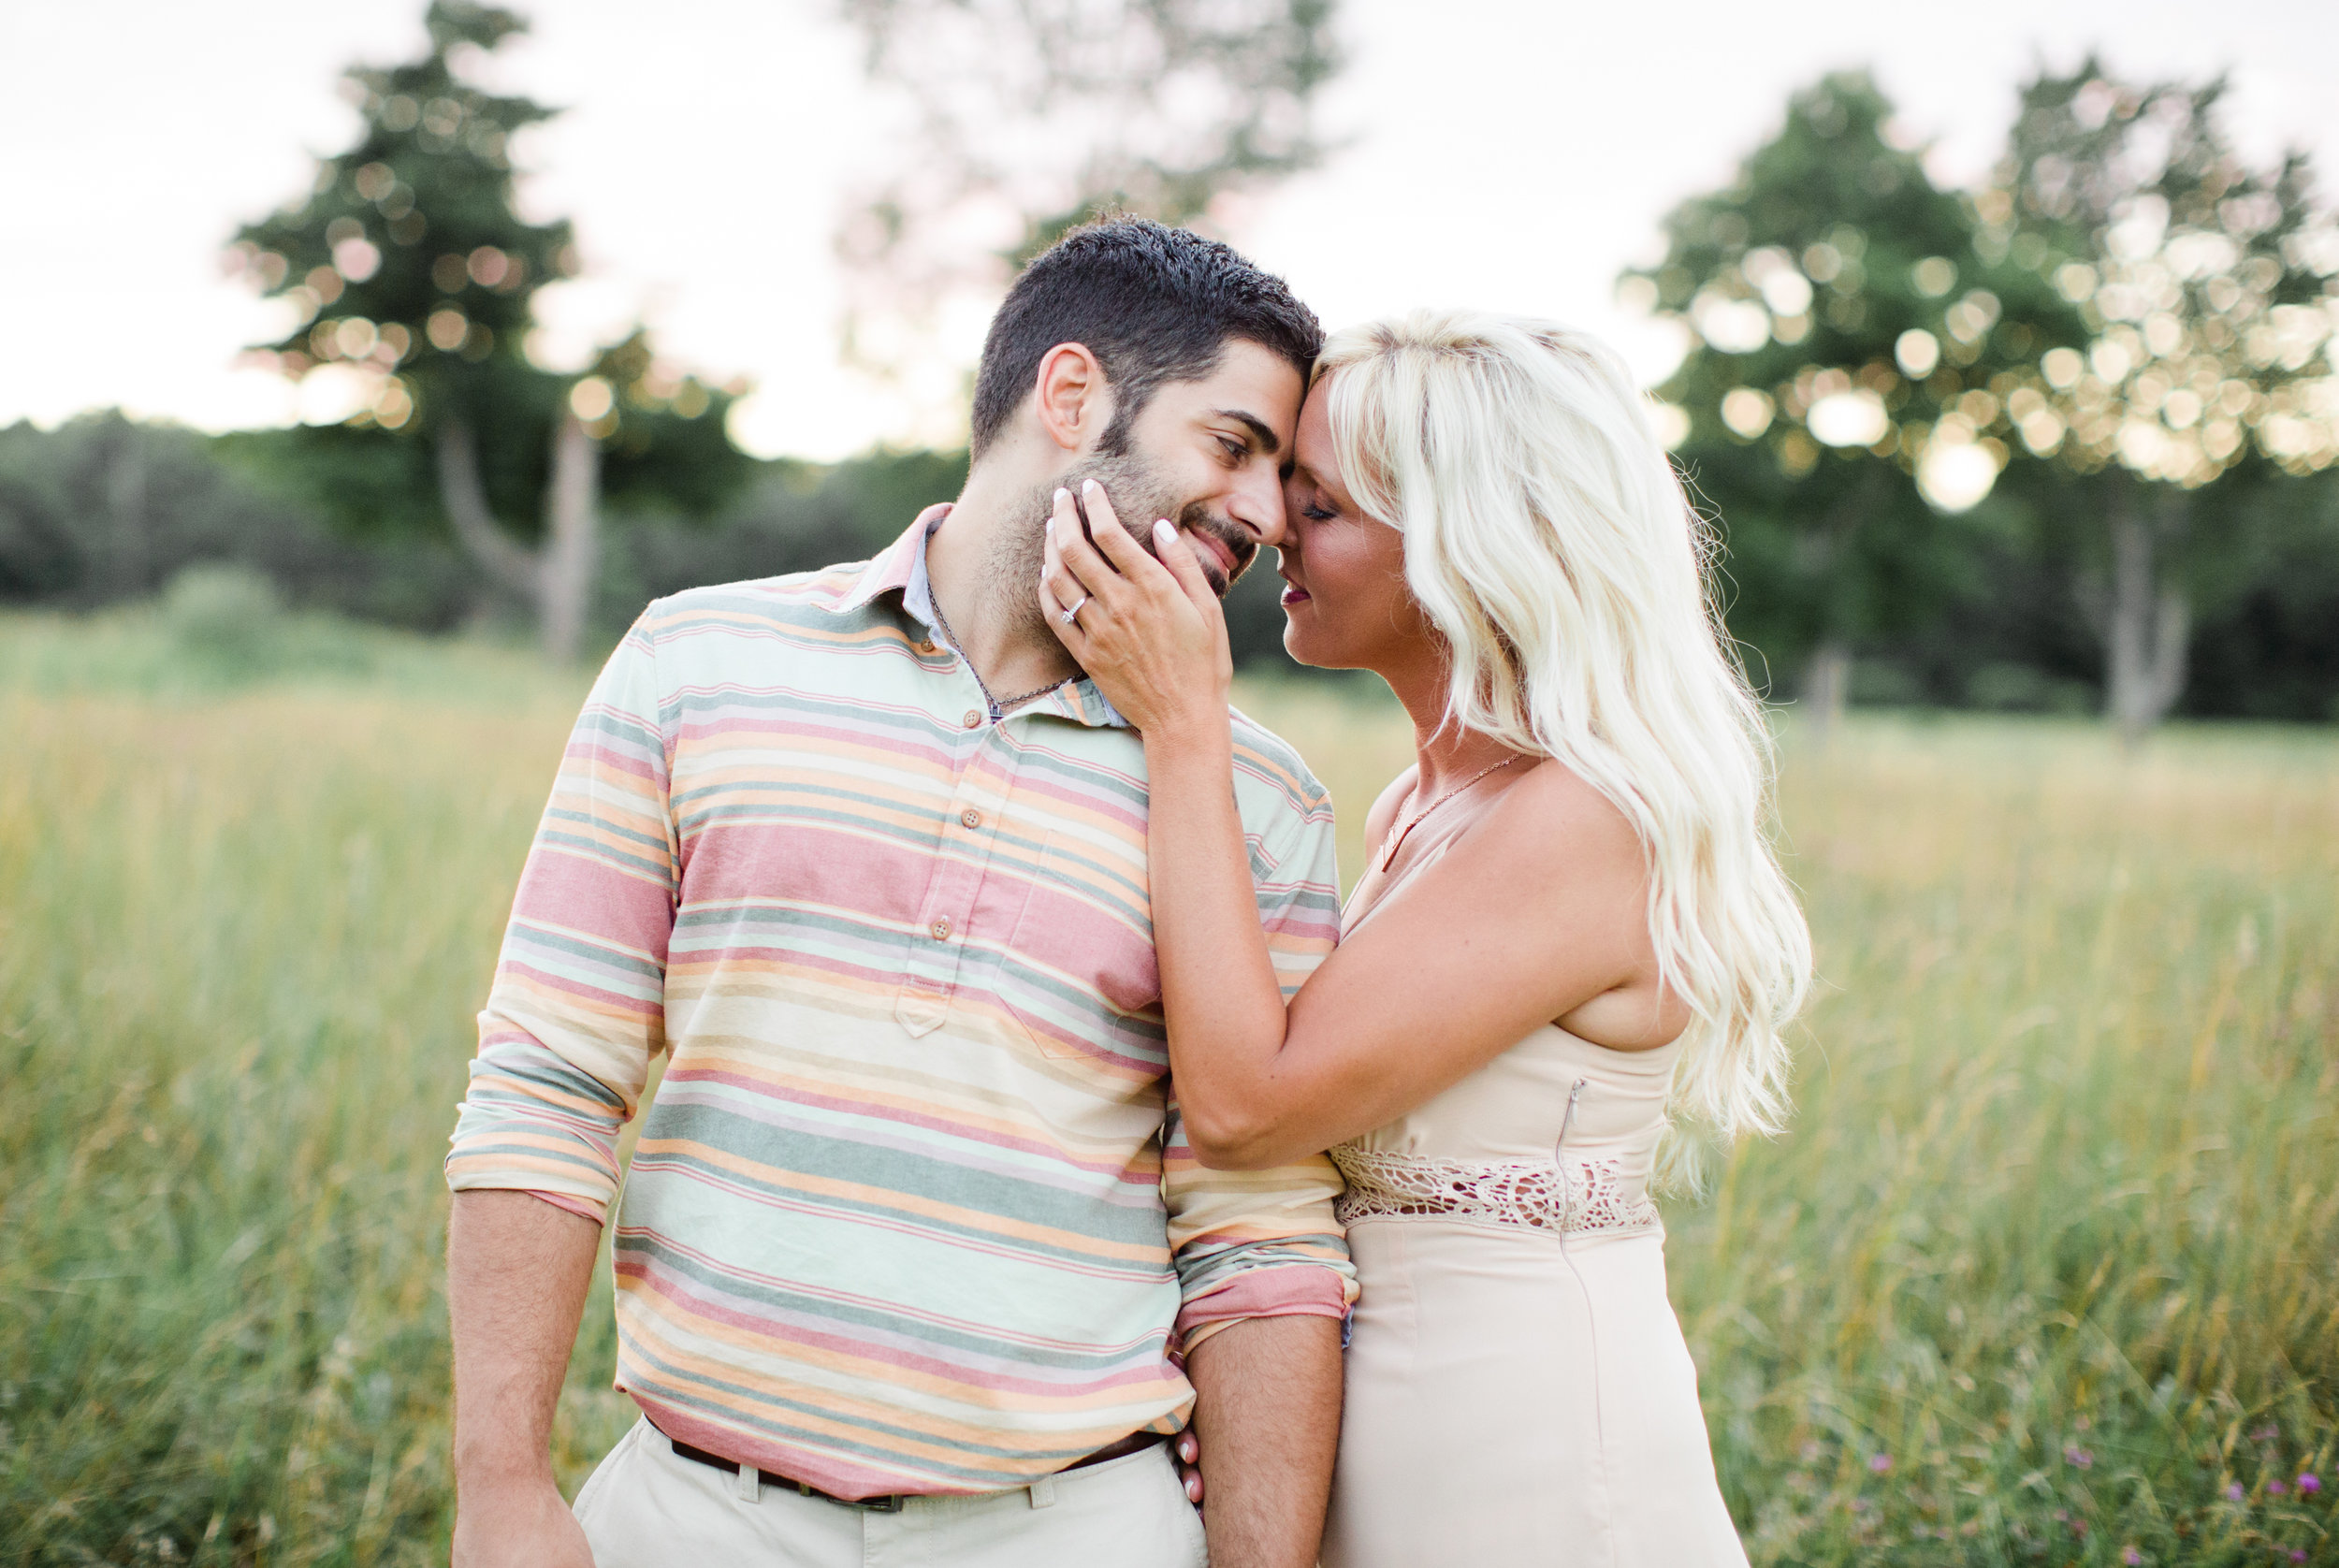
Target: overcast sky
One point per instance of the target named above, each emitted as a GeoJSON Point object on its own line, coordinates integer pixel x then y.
{"type": "Point", "coordinates": [1508, 153]}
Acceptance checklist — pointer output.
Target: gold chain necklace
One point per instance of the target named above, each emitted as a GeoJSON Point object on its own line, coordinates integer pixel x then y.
{"type": "Point", "coordinates": [1397, 839]}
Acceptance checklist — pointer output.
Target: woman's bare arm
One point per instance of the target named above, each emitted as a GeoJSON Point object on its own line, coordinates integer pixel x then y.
{"type": "Point", "coordinates": [1533, 914]}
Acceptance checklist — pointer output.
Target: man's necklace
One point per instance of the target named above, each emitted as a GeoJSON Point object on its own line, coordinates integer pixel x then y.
{"type": "Point", "coordinates": [998, 708]}
{"type": "Point", "coordinates": [1397, 839]}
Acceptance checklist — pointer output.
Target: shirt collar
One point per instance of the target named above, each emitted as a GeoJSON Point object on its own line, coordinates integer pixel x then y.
{"type": "Point", "coordinates": [902, 568]}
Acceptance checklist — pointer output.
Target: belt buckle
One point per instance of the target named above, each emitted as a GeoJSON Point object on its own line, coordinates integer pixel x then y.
{"type": "Point", "coordinates": [892, 1502]}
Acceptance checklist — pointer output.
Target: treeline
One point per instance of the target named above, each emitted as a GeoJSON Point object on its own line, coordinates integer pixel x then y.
{"type": "Point", "coordinates": [104, 510]}
{"type": "Point", "coordinates": [2065, 439]}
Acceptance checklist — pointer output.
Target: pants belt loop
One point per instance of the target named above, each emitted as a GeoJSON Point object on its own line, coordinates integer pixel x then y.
{"type": "Point", "coordinates": [751, 1482]}
{"type": "Point", "coordinates": [1043, 1492]}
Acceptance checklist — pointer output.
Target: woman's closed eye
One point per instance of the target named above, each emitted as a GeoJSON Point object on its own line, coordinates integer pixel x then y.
{"type": "Point", "coordinates": [1316, 512]}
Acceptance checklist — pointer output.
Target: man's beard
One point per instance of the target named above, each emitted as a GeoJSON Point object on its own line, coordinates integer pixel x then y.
{"type": "Point", "coordinates": [1137, 496]}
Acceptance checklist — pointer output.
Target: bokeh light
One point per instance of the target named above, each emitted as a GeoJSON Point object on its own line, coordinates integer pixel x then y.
{"type": "Point", "coordinates": [487, 265]}
{"type": "Point", "coordinates": [357, 260]}
{"type": "Point", "coordinates": [1731, 326]}
{"type": "Point", "coordinates": [1747, 412]}
{"type": "Point", "coordinates": [1917, 352]}
{"type": "Point", "coordinates": [591, 399]}
{"type": "Point", "coordinates": [1933, 277]}
{"type": "Point", "coordinates": [1955, 474]}
{"type": "Point", "coordinates": [1854, 418]}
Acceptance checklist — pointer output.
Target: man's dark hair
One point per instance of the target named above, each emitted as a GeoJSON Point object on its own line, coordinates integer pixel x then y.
{"type": "Point", "coordinates": [1153, 304]}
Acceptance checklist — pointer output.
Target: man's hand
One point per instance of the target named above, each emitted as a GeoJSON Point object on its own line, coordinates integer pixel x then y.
{"type": "Point", "coordinates": [518, 1525]}
{"type": "Point", "coordinates": [517, 1272]}
{"type": "Point", "coordinates": [1267, 1414]}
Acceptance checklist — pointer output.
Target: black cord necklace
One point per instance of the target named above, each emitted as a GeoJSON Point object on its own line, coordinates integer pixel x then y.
{"type": "Point", "coordinates": [998, 708]}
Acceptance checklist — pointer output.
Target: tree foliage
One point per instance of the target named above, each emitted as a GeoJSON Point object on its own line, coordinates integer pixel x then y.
{"type": "Point", "coordinates": [1852, 358]}
{"type": "Point", "coordinates": [1031, 116]}
{"type": "Point", "coordinates": [2209, 292]}
{"type": "Point", "coordinates": [2126, 305]}
{"type": "Point", "coordinates": [412, 276]}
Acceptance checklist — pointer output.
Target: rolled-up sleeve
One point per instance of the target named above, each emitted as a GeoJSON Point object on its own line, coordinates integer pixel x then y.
{"type": "Point", "coordinates": [1265, 1244]}
{"type": "Point", "coordinates": [577, 1010]}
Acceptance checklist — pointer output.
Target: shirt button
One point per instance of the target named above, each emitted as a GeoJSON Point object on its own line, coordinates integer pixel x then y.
{"type": "Point", "coordinates": [973, 718]}
{"type": "Point", "coordinates": [971, 816]}
{"type": "Point", "coordinates": [941, 930]}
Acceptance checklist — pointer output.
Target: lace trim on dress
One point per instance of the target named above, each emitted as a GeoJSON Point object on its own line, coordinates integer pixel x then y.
{"type": "Point", "coordinates": [1573, 1196]}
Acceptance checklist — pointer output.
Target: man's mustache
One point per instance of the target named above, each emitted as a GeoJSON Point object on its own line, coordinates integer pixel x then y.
{"type": "Point", "coordinates": [1241, 547]}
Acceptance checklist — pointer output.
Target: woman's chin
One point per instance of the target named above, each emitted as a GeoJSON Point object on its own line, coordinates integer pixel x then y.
{"type": "Point", "coordinates": [1298, 641]}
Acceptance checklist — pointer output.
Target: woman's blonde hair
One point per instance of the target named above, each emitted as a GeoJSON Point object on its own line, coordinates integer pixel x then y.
{"type": "Point", "coordinates": [1549, 540]}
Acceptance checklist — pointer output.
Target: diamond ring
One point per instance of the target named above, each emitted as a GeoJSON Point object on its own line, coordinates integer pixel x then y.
{"type": "Point", "coordinates": [1074, 613]}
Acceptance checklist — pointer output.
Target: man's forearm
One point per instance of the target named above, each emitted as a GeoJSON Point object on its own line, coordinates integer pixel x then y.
{"type": "Point", "coordinates": [518, 1269]}
{"type": "Point", "coordinates": [1268, 1413]}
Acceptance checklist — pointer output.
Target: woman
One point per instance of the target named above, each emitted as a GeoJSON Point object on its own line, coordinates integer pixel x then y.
{"type": "Point", "coordinates": [1572, 928]}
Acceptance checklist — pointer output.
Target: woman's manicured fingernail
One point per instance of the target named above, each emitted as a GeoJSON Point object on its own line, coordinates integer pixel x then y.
{"type": "Point", "coordinates": [1165, 533]}
{"type": "Point", "coordinates": [1062, 495]}
{"type": "Point", "coordinates": [1090, 485]}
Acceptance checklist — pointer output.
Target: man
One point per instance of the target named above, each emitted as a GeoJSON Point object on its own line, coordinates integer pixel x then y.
{"type": "Point", "coordinates": [913, 1263]}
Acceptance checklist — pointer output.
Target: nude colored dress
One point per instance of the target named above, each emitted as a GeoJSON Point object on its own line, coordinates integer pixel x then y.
{"type": "Point", "coordinates": [1518, 1387]}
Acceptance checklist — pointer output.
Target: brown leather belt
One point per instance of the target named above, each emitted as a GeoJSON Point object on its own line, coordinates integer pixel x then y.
{"type": "Point", "coordinates": [894, 1503]}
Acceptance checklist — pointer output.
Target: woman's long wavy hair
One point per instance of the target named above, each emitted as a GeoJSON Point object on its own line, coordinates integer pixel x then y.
{"type": "Point", "coordinates": [1549, 542]}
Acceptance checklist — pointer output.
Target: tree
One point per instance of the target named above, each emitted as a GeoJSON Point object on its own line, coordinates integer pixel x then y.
{"type": "Point", "coordinates": [1853, 359]}
{"type": "Point", "coordinates": [2209, 291]}
{"type": "Point", "coordinates": [1032, 116]}
{"type": "Point", "coordinates": [412, 276]}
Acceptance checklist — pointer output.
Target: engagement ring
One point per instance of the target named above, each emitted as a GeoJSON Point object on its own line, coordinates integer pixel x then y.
{"type": "Point", "coordinates": [1074, 613]}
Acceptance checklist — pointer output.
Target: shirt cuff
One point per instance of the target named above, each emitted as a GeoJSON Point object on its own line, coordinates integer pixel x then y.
{"type": "Point", "coordinates": [1297, 1290]}
{"type": "Point", "coordinates": [582, 1208]}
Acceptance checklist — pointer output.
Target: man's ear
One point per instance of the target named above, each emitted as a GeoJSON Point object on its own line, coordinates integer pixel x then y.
{"type": "Point", "coordinates": [1074, 403]}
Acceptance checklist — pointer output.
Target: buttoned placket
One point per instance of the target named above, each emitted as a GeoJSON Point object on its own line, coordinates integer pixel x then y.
{"type": "Point", "coordinates": [983, 765]}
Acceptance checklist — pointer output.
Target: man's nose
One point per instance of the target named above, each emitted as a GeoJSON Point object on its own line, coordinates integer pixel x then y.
{"type": "Point", "coordinates": [1257, 503]}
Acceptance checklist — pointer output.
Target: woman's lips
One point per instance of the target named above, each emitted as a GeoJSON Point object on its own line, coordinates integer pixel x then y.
{"type": "Point", "coordinates": [1294, 593]}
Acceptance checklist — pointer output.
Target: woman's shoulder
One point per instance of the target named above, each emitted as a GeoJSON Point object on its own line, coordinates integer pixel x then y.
{"type": "Point", "coordinates": [1557, 811]}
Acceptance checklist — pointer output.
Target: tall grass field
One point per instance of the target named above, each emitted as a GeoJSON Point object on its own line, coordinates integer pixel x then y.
{"type": "Point", "coordinates": [2046, 1270]}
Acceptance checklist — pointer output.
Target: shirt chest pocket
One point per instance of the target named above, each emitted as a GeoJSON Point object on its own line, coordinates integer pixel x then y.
{"type": "Point", "coordinates": [1077, 972]}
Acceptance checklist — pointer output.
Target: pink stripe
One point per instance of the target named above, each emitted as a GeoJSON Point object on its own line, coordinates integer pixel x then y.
{"type": "Point", "coordinates": [782, 1328]}
{"type": "Point", "coordinates": [889, 1116]}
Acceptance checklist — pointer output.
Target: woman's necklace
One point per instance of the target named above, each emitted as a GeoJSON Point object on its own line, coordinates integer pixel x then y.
{"type": "Point", "coordinates": [1397, 839]}
{"type": "Point", "coordinates": [998, 708]}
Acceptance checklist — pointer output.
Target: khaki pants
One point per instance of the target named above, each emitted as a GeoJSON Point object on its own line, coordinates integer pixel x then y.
{"type": "Point", "coordinates": [647, 1508]}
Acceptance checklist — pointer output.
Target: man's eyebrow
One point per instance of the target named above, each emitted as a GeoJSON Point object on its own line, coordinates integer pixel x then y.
{"type": "Point", "coordinates": [1268, 441]}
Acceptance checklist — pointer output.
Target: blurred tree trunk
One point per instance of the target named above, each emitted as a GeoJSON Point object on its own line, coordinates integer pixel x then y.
{"type": "Point", "coordinates": [125, 503]}
{"type": "Point", "coordinates": [1826, 682]}
{"type": "Point", "coordinates": [2148, 617]}
{"type": "Point", "coordinates": [571, 538]}
{"type": "Point", "coordinates": [557, 581]}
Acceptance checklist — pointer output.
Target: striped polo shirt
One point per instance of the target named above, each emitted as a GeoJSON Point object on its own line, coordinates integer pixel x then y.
{"type": "Point", "coordinates": [911, 1209]}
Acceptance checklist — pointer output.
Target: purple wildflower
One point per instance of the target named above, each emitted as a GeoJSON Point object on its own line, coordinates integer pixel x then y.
{"type": "Point", "coordinates": [2266, 1433]}
{"type": "Point", "coordinates": [2233, 1492]}
{"type": "Point", "coordinates": [2309, 1481]}
{"type": "Point", "coordinates": [2297, 1553]}
{"type": "Point", "coordinates": [2130, 1556]}
{"type": "Point", "coordinates": [2276, 1488]}
{"type": "Point", "coordinates": [1880, 1462]}
{"type": "Point", "coordinates": [2079, 1456]}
